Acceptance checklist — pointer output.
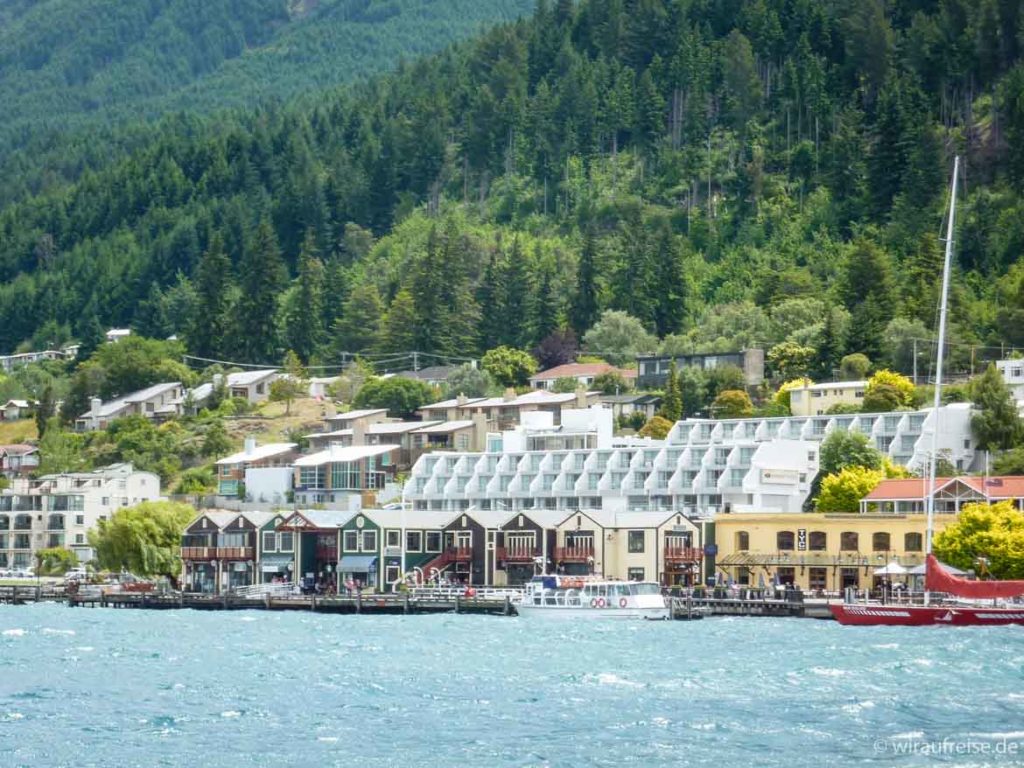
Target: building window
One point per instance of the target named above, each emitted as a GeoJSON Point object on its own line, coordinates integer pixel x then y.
{"type": "Point", "coordinates": [816, 578]}
{"type": "Point", "coordinates": [413, 541]}
{"type": "Point", "coordinates": [394, 539]}
{"type": "Point", "coordinates": [269, 541]}
{"type": "Point", "coordinates": [433, 541]}
{"type": "Point", "coordinates": [351, 541]}
{"type": "Point", "coordinates": [79, 519]}
{"type": "Point", "coordinates": [785, 540]}
{"type": "Point", "coordinates": [635, 574]}
{"type": "Point", "coordinates": [284, 541]}
{"type": "Point", "coordinates": [880, 542]}
{"type": "Point", "coordinates": [636, 542]}
{"type": "Point", "coordinates": [369, 541]}
{"type": "Point", "coordinates": [817, 541]}
{"type": "Point", "coordinates": [742, 541]}
{"type": "Point", "coordinates": [913, 542]}
{"type": "Point", "coordinates": [849, 541]}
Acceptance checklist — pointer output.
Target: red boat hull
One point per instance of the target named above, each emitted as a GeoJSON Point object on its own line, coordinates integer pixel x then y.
{"type": "Point", "coordinates": [921, 616]}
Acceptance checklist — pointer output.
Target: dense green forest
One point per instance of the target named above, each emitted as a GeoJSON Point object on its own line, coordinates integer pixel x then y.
{"type": "Point", "coordinates": [76, 76]}
{"type": "Point", "coordinates": [728, 172]}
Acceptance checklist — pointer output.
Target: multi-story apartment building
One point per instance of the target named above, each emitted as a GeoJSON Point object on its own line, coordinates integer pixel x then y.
{"type": "Point", "coordinates": [704, 467]}
{"type": "Point", "coordinates": [653, 369]}
{"type": "Point", "coordinates": [60, 510]}
{"type": "Point", "coordinates": [343, 477]}
{"type": "Point", "coordinates": [1013, 374]}
{"type": "Point", "coordinates": [817, 399]}
{"type": "Point", "coordinates": [244, 466]}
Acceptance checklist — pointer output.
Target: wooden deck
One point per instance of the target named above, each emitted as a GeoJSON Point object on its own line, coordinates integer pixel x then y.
{"type": "Point", "coordinates": [380, 604]}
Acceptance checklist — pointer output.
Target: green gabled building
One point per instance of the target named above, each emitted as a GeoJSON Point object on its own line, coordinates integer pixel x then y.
{"type": "Point", "coordinates": [275, 551]}
{"type": "Point", "coordinates": [423, 542]}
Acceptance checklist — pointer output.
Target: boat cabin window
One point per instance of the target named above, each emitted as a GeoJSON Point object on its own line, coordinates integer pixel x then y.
{"type": "Point", "coordinates": [648, 589]}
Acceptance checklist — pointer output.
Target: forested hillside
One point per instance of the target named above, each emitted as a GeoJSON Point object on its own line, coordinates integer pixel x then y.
{"type": "Point", "coordinates": [79, 67]}
{"type": "Point", "coordinates": [729, 172]}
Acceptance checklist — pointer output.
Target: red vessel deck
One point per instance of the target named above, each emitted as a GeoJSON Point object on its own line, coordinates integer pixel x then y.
{"type": "Point", "coordinates": [868, 614]}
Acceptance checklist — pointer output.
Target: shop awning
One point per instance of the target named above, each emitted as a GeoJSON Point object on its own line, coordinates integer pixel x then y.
{"type": "Point", "coordinates": [357, 563]}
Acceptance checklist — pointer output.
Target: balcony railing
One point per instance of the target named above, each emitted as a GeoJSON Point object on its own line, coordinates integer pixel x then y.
{"type": "Point", "coordinates": [198, 553]}
{"type": "Point", "coordinates": [577, 553]}
{"type": "Point", "coordinates": [234, 553]}
{"type": "Point", "coordinates": [683, 555]}
{"type": "Point", "coordinates": [518, 554]}
{"type": "Point", "coordinates": [327, 553]}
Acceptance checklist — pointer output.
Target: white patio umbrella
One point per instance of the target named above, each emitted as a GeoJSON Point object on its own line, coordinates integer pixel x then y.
{"type": "Point", "coordinates": [892, 569]}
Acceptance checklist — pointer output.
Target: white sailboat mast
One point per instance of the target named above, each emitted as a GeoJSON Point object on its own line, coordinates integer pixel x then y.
{"type": "Point", "coordinates": [933, 459]}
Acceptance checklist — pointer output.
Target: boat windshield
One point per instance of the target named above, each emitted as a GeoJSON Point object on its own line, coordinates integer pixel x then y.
{"type": "Point", "coordinates": [648, 589]}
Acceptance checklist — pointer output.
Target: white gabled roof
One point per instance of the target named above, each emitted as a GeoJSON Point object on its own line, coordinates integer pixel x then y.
{"type": "Point", "coordinates": [258, 453]}
{"type": "Point", "coordinates": [453, 403]}
{"type": "Point", "coordinates": [359, 414]}
{"type": "Point", "coordinates": [834, 385]}
{"type": "Point", "coordinates": [344, 454]}
{"type": "Point", "coordinates": [114, 406]}
{"type": "Point", "coordinates": [545, 518]}
{"type": "Point", "coordinates": [335, 433]}
{"type": "Point", "coordinates": [415, 519]}
{"type": "Point", "coordinates": [399, 427]}
{"type": "Point", "coordinates": [443, 427]}
{"type": "Point", "coordinates": [245, 378]}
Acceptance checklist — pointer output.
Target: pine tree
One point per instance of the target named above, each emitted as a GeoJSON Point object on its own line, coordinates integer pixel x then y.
{"type": "Point", "coordinates": [487, 298]}
{"type": "Point", "coordinates": [263, 278]}
{"type": "Point", "coordinates": [515, 298]}
{"type": "Point", "coordinates": [304, 318]}
{"type": "Point", "coordinates": [547, 307]}
{"type": "Point", "coordinates": [427, 285]}
{"type": "Point", "coordinates": [997, 423]}
{"type": "Point", "coordinates": [584, 303]}
{"type": "Point", "coordinates": [670, 281]}
{"type": "Point", "coordinates": [831, 348]}
{"type": "Point", "coordinates": [672, 400]}
{"type": "Point", "coordinates": [398, 330]}
{"type": "Point", "coordinates": [358, 328]}
{"type": "Point", "coordinates": [868, 292]}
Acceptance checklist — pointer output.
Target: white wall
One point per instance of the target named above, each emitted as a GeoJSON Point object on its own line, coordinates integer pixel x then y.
{"type": "Point", "coordinates": [268, 484]}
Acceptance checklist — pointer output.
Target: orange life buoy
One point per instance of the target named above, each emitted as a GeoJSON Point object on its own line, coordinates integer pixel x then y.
{"type": "Point", "coordinates": [622, 602]}
{"type": "Point", "coordinates": [600, 602]}
{"type": "Point", "coordinates": [470, 592]}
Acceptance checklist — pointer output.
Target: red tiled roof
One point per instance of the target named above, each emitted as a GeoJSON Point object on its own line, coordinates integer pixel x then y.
{"type": "Point", "coordinates": [1006, 487]}
{"type": "Point", "coordinates": [583, 369]}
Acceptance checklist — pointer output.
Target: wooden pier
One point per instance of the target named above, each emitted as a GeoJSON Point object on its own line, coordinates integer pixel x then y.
{"type": "Point", "coordinates": [395, 604]}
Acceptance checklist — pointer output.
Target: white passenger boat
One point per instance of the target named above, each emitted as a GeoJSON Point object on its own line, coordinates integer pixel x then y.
{"type": "Point", "coordinates": [592, 597]}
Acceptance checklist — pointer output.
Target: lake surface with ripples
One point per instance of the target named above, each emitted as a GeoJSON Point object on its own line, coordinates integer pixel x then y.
{"type": "Point", "coordinates": [95, 687]}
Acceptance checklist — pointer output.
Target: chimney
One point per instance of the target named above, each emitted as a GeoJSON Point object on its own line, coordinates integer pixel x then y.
{"type": "Point", "coordinates": [461, 400]}
{"type": "Point", "coordinates": [94, 406]}
{"type": "Point", "coordinates": [358, 432]}
{"type": "Point", "coordinates": [250, 446]}
{"type": "Point", "coordinates": [479, 436]}
{"type": "Point", "coordinates": [218, 380]}
{"type": "Point", "coordinates": [510, 395]}
{"type": "Point", "coordinates": [581, 396]}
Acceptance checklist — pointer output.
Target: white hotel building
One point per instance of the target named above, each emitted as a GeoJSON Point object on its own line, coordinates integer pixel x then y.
{"type": "Point", "coordinates": [705, 466]}
{"type": "Point", "coordinates": [60, 510]}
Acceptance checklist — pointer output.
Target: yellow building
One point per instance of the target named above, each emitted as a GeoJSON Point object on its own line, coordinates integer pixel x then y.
{"type": "Point", "coordinates": [817, 551]}
{"type": "Point", "coordinates": [816, 399]}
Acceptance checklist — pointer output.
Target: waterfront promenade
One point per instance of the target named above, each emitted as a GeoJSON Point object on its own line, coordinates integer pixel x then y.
{"type": "Point", "coordinates": [488, 602]}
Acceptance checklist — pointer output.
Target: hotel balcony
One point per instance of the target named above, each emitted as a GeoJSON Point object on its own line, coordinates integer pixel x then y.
{"type": "Point", "coordinates": [580, 553]}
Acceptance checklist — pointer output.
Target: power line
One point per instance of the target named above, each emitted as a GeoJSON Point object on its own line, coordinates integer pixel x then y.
{"type": "Point", "coordinates": [376, 359]}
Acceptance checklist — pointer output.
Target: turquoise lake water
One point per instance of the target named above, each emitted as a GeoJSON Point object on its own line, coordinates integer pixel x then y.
{"type": "Point", "coordinates": [92, 687]}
